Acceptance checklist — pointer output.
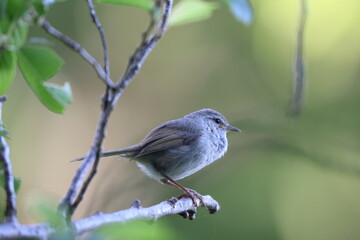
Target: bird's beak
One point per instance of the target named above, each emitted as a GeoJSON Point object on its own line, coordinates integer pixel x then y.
{"type": "Point", "coordinates": [231, 128]}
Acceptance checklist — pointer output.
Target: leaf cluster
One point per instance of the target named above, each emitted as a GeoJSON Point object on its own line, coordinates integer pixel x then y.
{"type": "Point", "coordinates": [187, 11]}
{"type": "Point", "coordinates": [37, 64]}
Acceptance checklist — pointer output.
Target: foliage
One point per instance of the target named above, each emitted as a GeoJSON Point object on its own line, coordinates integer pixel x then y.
{"type": "Point", "coordinates": [281, 177]}
{"type": "Point", "coordinates": [143, 4]}
{"type": "Point", "coordinates": [31, 61]}
{"type": "Point", "coordinates": [188, 11]}
{"type": "Point", "coordinates": [37, 63]}
{"type": "Point", "coordinates": [17, 181]}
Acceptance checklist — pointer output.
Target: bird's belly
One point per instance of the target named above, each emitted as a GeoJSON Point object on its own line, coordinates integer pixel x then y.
{"type": "Point", "coordinates": [185, 161]}
{"type": "Point", "coordinates": [178, 163]}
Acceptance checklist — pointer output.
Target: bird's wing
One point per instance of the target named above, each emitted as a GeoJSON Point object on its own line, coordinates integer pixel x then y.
{"type": "Point", "coordinates": [166, 137]}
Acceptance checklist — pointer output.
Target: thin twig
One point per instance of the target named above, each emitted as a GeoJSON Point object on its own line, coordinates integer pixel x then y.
{"type": "Point", "coordinates": [136, 212]}
{"type": "Point", "coordinates": [102, 36]}
{"type": "Point", "coordinates": [77, 48]}
{"type": "Point", "coordinates": [153, 20]}
{"type": "Point", "coordinates": [67, 204]}
{"type": "Point", "coordinates": [10, 209]}
{"type": "Point", "coordinates": [107, 107]}
{"type": "Point", "coordinates": [295, 104]}
{"type": "Point", "coordinates": [145, 47]}
{"type": "Point", "coordinates": [108, 104]}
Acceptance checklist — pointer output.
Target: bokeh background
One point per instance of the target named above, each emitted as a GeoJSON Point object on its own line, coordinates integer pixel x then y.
{"type": "Point", "coordinates": [283, 178]}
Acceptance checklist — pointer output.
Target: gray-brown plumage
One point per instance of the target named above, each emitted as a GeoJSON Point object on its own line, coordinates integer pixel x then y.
{"type": "Point", "coordinates": [179, 148]}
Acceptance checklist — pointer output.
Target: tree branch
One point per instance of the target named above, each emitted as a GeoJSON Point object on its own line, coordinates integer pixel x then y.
{"type": "Point", "coordinates": [299, 72]}
{"type": "Point", "coordinates": [109, 101]}
{"type": "Point", "coordinates": [108, 105]}
{"type": "Point", "coordinates": [102, 36]}
{"type": "Point", "coordinates": [140, 54]}
{"type": "Point", "coordinates": [136, 212]}
{"type": "Point", "coordinates": [77, 48]}
{"type": "Point", "coordinates": [68, 205]}
{"type": "Point", "coordinates": [10, 209]}
{"type": "Point", "coordinates": [184, 207]}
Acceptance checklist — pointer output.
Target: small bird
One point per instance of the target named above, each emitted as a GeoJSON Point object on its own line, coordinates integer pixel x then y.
{"type": "Point", "coordinates": [178, 148]}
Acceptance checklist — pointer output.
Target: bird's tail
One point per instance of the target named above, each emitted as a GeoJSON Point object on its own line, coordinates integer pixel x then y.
{"type": "Point", "coordinates": [128, 152]}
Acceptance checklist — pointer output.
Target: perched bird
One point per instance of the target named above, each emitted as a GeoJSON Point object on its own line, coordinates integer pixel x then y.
{"type": "Point", "coordinates": [178, 148]}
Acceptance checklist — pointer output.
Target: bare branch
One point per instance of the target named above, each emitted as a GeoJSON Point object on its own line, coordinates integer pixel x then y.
{"type": "Point", "coordinates": [136, 212]}
{"type": "Point", "coordinates": [68, 204]}
{"type": "Point", "coordinates": [107, 108]}
{"type": "Point", "coordinates": [184, 207]}
{"type": "Point", "coordinates": [10, 209]}
{"type": "Point", "coordinates": [103, 39]}
{"type": "Point", "coordinates": [109, 101]}
{"type": "Point", "coordinates": [153, 21]}
{"type": "Point", "coordinates": [17, 231]}
{"type": "Point", "coordinates": [151, 213]}
{"type": "Point", "coordinates": [108, 105]}
{"type": "Point", "coordinates": [145, 47]}
{"type": "Point", "coordinates": [77, 48]}
{"type": "Point", "coordinates": [299, 75]}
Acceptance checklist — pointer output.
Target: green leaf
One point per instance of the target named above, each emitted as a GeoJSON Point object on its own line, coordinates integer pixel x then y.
{"type": "Point", "coordinates": [49, 214]}
{"type": "Point", "coordinates": [3, 5]}
{"type": "Point", "coordinates": [39, 8]}
{"type": "Point", "coordinates": [4, 26]}
{"type": "Point", "coordinates": [7, 69]}
{"type": "Point", "coordinates": [17, 184]}
{"type": "Point", "coordinates": [16, 8]}
{"type": "Point", "coordinates": [241, 10]}
{"type": "Point", "coordinates": [188, 11]}
{"type": "Point", "coordinates": [19, 34]}
{"type": "Point", "coordinates": [44, 209]}
{"type": "Point", "coordinates": [17, 181]}
{"type": "Point", "coordinates": [143, 4]}
{"type": "Point", "coordinates": [38, 64]}
{"type": "Point", "coordinates": [4, 133]}
{"type": "Point", "coordinates": [62, 94]}
{"type": "Point", "coordinates": [42, 62]}
{"type": "Point", "coordinates": [2, 178]}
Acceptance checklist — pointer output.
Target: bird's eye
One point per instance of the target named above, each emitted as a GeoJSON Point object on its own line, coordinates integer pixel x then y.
{"type": "Point", "coordinates": [217, 120]}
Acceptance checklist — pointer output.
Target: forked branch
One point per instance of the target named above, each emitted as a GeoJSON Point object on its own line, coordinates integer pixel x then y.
{"type": "Point", "coordinates": [183, 207]}
{"type": "Point", "coordinates": [79, 186]}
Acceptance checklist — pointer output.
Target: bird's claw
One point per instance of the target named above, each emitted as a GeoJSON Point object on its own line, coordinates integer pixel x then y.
{"type": "Point", "coordinates": [193, 195]}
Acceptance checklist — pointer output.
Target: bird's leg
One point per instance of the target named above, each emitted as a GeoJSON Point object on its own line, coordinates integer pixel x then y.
{"type": "Point", "coordinates": [187, 191]}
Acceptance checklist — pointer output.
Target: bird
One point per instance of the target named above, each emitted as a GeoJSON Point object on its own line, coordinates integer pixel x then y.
{"type": "Point", "coordinates": [178, 148]}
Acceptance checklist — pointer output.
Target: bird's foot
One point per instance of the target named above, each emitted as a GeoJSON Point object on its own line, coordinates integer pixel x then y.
{"type": "Point", "coordinates": [193, 195]}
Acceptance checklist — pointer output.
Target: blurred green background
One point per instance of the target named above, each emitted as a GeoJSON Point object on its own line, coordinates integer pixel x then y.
{"type": "Point", "coordinates": [283, 178]}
